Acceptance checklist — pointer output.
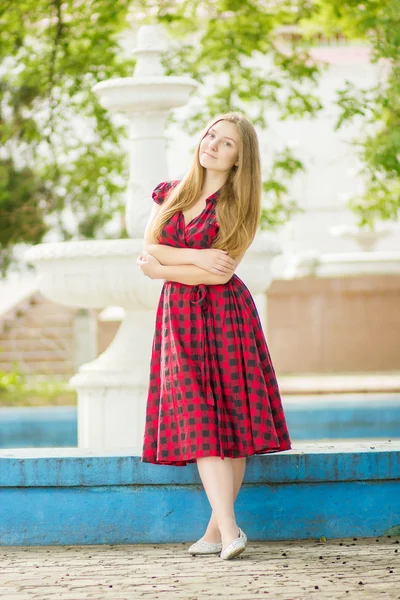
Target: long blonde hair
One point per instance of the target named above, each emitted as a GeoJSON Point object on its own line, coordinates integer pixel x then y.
{"type": "Point", "coordinates": [238, 207]}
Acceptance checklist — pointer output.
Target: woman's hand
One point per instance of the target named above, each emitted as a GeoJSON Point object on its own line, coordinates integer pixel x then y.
{"type": "Point", "coordinates": [149, 265]}
{"type": "Point", "coordinates": [215, 261]}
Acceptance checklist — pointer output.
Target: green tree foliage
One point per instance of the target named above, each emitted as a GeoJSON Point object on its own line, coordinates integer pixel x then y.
{"type": "Point", "coordinates": [377, 23]}
{"type": "Point", "coordinates": [61, 153]}
{"type": "Point", "coordinates": [22, 208]}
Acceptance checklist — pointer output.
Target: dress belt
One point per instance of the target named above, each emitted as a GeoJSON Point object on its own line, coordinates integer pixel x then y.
{"type": "Point", "coordinates": [199, 297]}
{"type": "Point", "coordinates": [212, 387]}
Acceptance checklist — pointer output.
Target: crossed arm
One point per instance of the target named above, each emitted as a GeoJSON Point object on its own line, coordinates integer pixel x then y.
{"type": "Point", "coordinates": [181, 264]}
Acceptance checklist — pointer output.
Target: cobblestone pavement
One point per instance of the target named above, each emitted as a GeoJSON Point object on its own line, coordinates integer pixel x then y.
{"type": "Point", "coordinates": [364, 568]}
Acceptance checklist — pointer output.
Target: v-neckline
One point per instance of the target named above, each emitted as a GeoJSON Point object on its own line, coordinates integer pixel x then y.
{"type": "Point", "coordinates": [194, 218]}
{"type": "Point", "coordinates": [211, 197]}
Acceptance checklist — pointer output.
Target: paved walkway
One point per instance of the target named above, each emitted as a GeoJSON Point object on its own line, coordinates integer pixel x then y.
{"type": "Point", "coordinates": [365, 568]}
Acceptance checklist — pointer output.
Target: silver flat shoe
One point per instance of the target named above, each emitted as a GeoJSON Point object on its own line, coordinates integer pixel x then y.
{"type": "Point", "coordinates": [243, 535]}
{"type": "Point", "coordinates": [201, 547]}
{"type": "Point", "coordinates": [236, 547]}
{"type": "Point", "coordinates": [233, 549]}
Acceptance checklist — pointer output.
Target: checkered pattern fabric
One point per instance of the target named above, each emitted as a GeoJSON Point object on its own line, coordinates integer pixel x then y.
{"type": "Point", "coordinates": [212, 388]}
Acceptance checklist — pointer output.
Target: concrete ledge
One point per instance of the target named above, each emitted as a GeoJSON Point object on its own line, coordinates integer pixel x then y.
{"type": "Point", "coordinates": [307, 463]}
{"type": "Point", "coordinates": [73, 496]}
{"type": "Point", "coordinates": [340, 383]}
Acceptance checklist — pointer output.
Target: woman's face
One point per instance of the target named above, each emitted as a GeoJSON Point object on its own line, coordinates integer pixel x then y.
{"type": "Point", "coordinates": [219, 149]}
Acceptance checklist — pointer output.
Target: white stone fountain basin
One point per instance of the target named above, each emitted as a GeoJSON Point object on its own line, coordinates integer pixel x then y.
{"type": "Point", "coordinates": [129, 95]}
{"type": "Point", "coordinates": [366, 239]}
{"type": "Point", "coordinates": [94, 274]}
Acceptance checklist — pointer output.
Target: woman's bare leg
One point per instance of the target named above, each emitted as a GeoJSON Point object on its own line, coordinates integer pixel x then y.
{"type": "Point", "coordinates": [217, 477]}
{"type": "Point", "coordinates": [212, 533]}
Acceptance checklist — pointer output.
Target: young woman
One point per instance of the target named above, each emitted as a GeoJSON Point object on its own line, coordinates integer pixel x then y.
{"type": "Point", "coordinates": [213, 397]}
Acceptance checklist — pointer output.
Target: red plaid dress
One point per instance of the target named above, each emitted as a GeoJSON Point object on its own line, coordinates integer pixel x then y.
{"type": "Point", "coordinates": [212, 388]}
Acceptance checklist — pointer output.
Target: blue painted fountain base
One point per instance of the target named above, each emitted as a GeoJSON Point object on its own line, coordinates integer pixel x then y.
{"type": "Point", "coordinates": [54, 496]}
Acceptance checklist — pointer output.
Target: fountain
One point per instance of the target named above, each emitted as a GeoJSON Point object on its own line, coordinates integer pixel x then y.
{"type": "Point", "coordinates": [364, 261]}
{"type": "Point", "coordinates": [342, 264]}
{"type": "Point", "coordinates": [366, 239]}
{"type": "Point", "coordinates": [112, 388]}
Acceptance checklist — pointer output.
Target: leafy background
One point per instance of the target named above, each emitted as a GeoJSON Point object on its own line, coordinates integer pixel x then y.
{"type": "Point", "coordinates": [61, 154]}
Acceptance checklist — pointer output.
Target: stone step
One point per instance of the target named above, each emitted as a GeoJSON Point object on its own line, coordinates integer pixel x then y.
{"type": "Point", "coordinates": [50, 308]}
{"type": "Point", "coordinates": [36, 344]}
{"type": "Point", "coordinates": [61, 367]}
{"type": "Point", "coordinates": [38, 331]}
{"type": "Point", "coordinates": [32, 313]}
{"type": "Point", "coordinates": [37, 355]}
{"type": "Point", "coordinates": [48, 318]}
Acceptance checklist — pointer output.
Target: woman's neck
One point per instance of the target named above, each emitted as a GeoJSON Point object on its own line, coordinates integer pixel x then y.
{"type": "Point", "coordinates": [213, 181]}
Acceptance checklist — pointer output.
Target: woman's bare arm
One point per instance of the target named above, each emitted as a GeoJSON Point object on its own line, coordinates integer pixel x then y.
{"type": "Point", "coordinates": [168, 255]}
{"type": "Point", "coordinates": [192, 275]}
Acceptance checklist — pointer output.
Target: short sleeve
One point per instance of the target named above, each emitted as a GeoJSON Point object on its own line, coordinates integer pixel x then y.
{"type": "Point", "coordinates": [162, 190]}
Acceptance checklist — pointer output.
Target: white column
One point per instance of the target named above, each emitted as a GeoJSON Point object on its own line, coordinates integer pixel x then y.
{"type": "Point", "coordinates": [85, 337]}
{"type": "Point", "coordinates": [147, 167]}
